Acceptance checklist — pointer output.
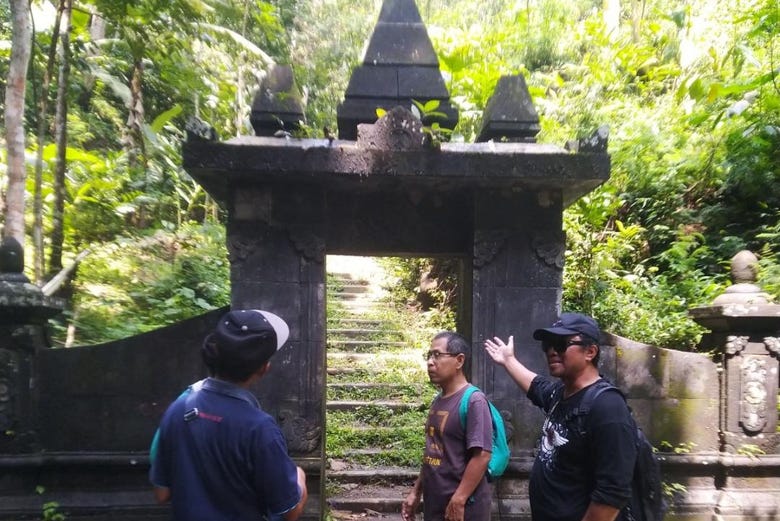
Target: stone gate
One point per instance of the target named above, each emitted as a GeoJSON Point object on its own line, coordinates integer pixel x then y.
{"type": "Point", "coordinates": [77, 422]}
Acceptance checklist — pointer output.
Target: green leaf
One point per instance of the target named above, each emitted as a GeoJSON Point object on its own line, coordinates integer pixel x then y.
{"type": "Point", "coordinates": [430, 106]}
{"type": "Point", "coordinates": [160, 121]}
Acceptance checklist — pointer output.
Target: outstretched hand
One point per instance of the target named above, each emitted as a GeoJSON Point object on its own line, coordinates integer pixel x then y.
{"type": "Point", "coordinates": [499, 351]}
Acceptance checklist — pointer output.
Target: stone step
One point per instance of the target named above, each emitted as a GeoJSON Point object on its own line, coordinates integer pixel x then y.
{"type": "Point", "coordinates": [365, 346]}
{"type": "Point", "coordinates": [406, 356]}
{"type": "Point", "coordinates": [345, 296]}
{"type": "Point", "coordinates": [347, 375]}
{"type": "Point", "coordinates": [401, 476]}
{"type": "Point", "coordinates": [390, 387]}
{"type": "Point", "coordinates": [351, 288]}
{"type": "Point", "coordinates": [347, 278]}
{"type": "Point", "coordinates": [361, 308]}
{"type": "Point", "coordinates": [382, 499]}
{"type": "Point", "coordinates": [346, 405]}
{"type": "Point", "coordinates": [363, 391]}
{"type": "Point", "coordinates": [359, 322]}
{"type": "Point", "coordinates": [362, 332]}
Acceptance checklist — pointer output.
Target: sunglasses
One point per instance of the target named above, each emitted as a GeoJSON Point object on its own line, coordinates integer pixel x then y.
{"type": "Point", "coordinates": [436, 355]}
{"type": "Point", "coordinates": [561, 346]}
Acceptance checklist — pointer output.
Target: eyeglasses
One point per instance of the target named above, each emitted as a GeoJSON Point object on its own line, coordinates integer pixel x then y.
{"type": "Point", "coordinates": [436, 355]}
{"type": "Point", "coordinates": [561, 346]}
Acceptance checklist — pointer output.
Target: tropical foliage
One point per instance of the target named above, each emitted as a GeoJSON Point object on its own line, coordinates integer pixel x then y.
{"type": "Point", "coordinates": [689, 90]}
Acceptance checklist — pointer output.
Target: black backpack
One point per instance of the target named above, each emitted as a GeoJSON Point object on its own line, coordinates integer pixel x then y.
{"type": "Point", "coordinates": [647, 500]}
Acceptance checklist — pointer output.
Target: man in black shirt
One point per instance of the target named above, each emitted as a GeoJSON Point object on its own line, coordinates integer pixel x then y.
{"type": "Point", "coordinates": [585, 464]}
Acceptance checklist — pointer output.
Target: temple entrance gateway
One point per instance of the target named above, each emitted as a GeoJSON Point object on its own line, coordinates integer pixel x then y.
{"type": "Point", "coordinates": [495, 206]}
{"type": "Point", "coordinates": [386, 189]}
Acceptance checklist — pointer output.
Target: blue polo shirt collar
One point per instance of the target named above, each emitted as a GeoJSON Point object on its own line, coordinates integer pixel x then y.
{"type": "Point", "coordinates": [232, 390]}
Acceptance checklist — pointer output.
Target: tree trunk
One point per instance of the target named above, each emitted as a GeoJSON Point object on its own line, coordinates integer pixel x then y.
{"type": "Point", "coordinates": [611, 10]}
{"type": "Point", "coordinates": [637, 17]}
{"type": "Point", "coordinates": [21, 47]}
{"type": "Point", "coordinates": [61, 138]}
{"type": "Point", "coordinates": [43, 120]}
{"type": "Point", "coordinates": [134, 141]}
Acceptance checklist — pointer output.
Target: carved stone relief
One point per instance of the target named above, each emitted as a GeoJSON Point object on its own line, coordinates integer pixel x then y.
{"type": "Point", "coordinates": [8, 367]}
{"type": "Point", "coordinates": [508, 425]}
{"type": "Point", "coordinates": [487, 244]}
{"type": "Point", "coordinates": [308, 244]}
{"type": "Point", "coordinates": [399, 129]}
{"type": "Point", "coordinates": [302, 435]}
{"type": "Point", "coordinates": [549, 249]}
{"type": "Point", "coordinates": [772, 344]}
{"type": "Point", "coordinates": [735, 344]}
{"type": "Point", "coordinates": [753, 414]}
{"type": "Point", "coordinates": [240, 248]}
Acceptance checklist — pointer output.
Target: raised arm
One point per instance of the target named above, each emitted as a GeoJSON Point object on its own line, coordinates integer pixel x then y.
{"type": "Point", "coordinates": [504, 354]}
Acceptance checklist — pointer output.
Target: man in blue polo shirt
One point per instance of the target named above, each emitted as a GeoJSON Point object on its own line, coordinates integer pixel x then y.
{"type": "Point", "coordinates": [219, 456]}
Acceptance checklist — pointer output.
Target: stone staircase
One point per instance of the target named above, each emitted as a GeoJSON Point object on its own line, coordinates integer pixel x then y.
{"type": "Point", "coordinates": [377, 399]}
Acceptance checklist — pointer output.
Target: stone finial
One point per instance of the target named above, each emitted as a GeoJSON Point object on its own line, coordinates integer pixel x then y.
{"type": "Point", "coordinates": [510, 114]}
{"type": "Point", "coordinates": [400, 65]}
{"type": "Point", "coordinates": [744, 273]}
{"type": "Point", "coordinates": [277, 106]}
{"type": "Point", "coordinates": [12, 261]}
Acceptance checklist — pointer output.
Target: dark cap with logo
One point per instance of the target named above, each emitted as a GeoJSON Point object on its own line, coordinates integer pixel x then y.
{"type": "Point", "coordinates": [243, 340]}
{"type": "Point", "coordinates": [571, 324]}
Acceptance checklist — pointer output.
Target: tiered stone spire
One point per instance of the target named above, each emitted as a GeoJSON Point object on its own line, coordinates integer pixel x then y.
{"type": "Point", "coordinates": [400, 65]}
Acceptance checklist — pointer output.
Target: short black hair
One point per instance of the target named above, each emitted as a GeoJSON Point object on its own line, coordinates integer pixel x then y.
{"type": "Point", "coordinates": [457, 344]}
{"type": "Point", "coordinates": [592, 342]}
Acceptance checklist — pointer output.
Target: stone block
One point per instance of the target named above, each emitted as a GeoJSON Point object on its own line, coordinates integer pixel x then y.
{"type": "Point", "coordinates": [374, 82]}
{"type": "Point", "coordinates": [400, 44]}
{"type": "Point", "coordinates": [424, 83]}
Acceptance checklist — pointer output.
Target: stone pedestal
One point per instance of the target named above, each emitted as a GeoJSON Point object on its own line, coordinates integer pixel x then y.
{"type": "Point", "coordinates": [745, 333]}
{"type": "Point", "coordinates": [23, 311]}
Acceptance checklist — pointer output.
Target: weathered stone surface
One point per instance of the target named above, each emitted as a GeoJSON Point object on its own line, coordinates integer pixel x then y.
{"type": "Point", "coordinates": [277, 105]}
{"type": "Point", "coordinates": [339, 166]}
{"type": "Point", "coordinates": [510, 114]}
{"type": "Point", "coordinates": [396, 130]}
{"type": "Point", "coordinates": [400, 65]}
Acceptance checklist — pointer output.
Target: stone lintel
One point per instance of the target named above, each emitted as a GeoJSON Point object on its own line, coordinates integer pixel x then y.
{"type": "Point", "coordinates": [342, 165]}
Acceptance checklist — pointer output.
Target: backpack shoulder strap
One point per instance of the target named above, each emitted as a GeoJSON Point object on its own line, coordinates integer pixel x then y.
{"type": "Point", "coordinates": [464, 403]}
{"type": "Point", "coordinates": [593, 392]}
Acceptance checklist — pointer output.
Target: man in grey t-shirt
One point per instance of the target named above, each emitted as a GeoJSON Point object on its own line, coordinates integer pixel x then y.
{"type": "Point", "coordinates": [452, 481]}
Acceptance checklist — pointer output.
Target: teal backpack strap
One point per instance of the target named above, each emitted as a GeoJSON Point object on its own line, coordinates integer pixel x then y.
{"type": "Point", "coordinates": [464, 404]}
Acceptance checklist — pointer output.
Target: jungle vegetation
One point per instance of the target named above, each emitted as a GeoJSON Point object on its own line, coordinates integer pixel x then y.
{"type": "Point", "coordinates": [91, 166]}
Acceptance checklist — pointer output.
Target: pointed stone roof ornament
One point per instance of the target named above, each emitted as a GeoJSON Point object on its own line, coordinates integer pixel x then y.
{"type": "Point", "coordinates": [510, 114]}
{"type": "Point", "coordinates": [277, 107]}
{"type": "Point", "coordinates": [400, 65]}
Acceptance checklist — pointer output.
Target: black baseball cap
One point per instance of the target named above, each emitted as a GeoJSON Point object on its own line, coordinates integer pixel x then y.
{"type": "Point", "coordinates": [243, 340]}
{"type": "Point", "coordinates": [571, 324]}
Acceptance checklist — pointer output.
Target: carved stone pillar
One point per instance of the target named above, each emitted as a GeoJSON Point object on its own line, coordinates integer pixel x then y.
{"type": "Point", "coordinates": [23, 311]}
{"type": "Point", "coordinates": [745, 332]}
{"type": "Point", "coordinates": [276, 246]}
